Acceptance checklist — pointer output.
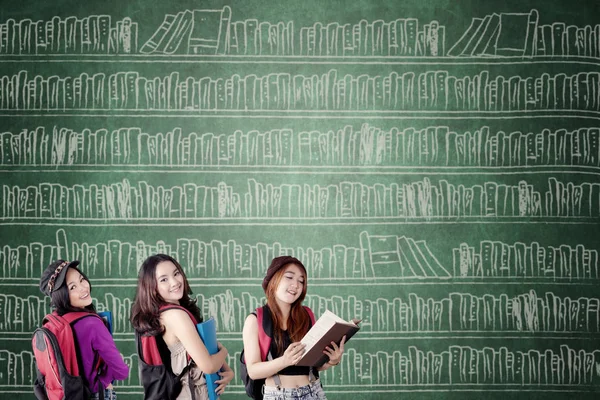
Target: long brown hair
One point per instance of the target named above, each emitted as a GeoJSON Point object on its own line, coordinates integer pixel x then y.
{"type": "Point", "coordinates": [145, 311]}
{"type": "Point", "coordinates": [298, 322]}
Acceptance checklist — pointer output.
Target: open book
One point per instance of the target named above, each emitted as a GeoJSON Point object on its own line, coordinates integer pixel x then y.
{"type": "Point", "coordinates": [328, 328]}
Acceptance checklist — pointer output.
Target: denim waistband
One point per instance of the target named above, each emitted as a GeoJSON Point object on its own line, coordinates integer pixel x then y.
{"type": "Point", "coordinates": [297, 391]}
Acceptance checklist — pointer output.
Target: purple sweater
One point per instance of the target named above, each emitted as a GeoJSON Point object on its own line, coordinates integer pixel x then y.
{"type": "Point", "coordinates": [94, 338]}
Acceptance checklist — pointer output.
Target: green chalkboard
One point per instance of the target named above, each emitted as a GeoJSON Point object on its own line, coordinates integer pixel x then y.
{"type": "Point", "coordinates": [435, 165]}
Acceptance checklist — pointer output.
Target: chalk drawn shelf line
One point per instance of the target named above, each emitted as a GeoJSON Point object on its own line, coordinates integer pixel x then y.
{"type": "Point", "coordinates": [343, 115]}
{"type": "Point", "coordinates": [293, 60]}
{"type": "Point", "coordinates": [309, 170]}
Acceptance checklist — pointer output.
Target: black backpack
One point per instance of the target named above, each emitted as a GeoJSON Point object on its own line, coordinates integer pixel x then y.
{"type": "Point", "coordinates": [156, 375]}
{"type": "Point", "coordinates": [265, 334]}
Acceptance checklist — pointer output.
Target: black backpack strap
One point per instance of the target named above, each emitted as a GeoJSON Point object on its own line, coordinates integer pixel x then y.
{"type": "Point", "coordinates": [191, 385]}
{"type": "Point", "coordinates": [187, 367]}
{"type": "Point", "coordinates": [267, 322]}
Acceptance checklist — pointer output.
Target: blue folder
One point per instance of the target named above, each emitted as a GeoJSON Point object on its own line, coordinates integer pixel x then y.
{"type": "Point", "coordinates": [208, 334]}
{"type": "Point", "coordinates": [107, 317]}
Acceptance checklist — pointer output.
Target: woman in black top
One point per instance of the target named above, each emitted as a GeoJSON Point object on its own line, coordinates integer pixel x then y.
{"type": "Point", "coordinates": [285, 288]}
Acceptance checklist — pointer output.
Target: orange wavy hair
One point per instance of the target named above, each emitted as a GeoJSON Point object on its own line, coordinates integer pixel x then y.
{"type": "Point", "coordinates": [298, 322]}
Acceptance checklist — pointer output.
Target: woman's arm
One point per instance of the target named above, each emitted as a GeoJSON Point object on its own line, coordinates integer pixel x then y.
{"type": "Point", "coordinates": [326, 366]}
{"type": "Point", "coordinates": [178, 324]}
{"type": "Point", "coordinates": [103, 343]}
{"type": "Point", "coordinates": [258, 369]}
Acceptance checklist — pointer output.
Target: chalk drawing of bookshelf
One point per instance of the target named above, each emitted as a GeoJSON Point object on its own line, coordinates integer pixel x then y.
{"type": "Point", "coordinates": [434, 90]}
{"type": "Point", "coordinates": [372, 256]}
{"type": "Point", "coordinates": [214, 32]}
{"type": "Point", "coordinates": [449, 313]}
{"type": "Point", "coordinates": [349, 145]}
{"type": "Point", "coordinates": [427, 199]}
{"type": "Point", "coordinates": [499, 368]}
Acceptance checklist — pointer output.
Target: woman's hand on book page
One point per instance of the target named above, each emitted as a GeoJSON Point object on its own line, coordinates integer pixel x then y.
{"type": "Point", "coordinates": [293, 353]}
{"type": "Point", "coordinates": [335, 352]}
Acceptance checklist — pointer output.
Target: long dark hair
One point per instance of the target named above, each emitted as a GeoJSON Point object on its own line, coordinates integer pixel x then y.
{"type": "Point", "coordinates": [145, 311]}
{"type": "Point", "coordinates": [298, 321]}
{"type": "Point", "coordinates": [60, 298]}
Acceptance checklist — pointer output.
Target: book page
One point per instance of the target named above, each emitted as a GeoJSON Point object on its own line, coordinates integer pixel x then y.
{"type": "Point", "coordinates": [320, 328]}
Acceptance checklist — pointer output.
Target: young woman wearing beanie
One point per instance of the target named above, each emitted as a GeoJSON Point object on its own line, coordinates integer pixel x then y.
{"type": "Point", "coordinates": [285, 288]}
{"type": "Point", "coordinates": [70, 291]}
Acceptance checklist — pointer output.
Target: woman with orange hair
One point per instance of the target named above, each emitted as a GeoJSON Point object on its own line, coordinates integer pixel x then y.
{"type": "Point", "coordinates": [285, 288]}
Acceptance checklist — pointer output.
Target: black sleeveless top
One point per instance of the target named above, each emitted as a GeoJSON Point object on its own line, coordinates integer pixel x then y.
{"type": "Point", "coordinates": [292, 369]}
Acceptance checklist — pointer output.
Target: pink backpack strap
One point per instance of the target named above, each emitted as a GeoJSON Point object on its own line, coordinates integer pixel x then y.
{"type": "Point", "coordinates": [71, 317]}
{"type": "Point", "coordinates": [174, 306]}
{"type": "Point", "coordinates": [311, 314]}
{"type": "Point", "coordinates": [264, 341]}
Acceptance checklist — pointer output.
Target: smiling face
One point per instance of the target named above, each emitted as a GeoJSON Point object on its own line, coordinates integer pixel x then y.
{"type": "Point", "coordinates": [169, 282]}
{"type": "Point", "coordinates": [291, 284]}
{"type": "Point", "coordinates": [79, 289]}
